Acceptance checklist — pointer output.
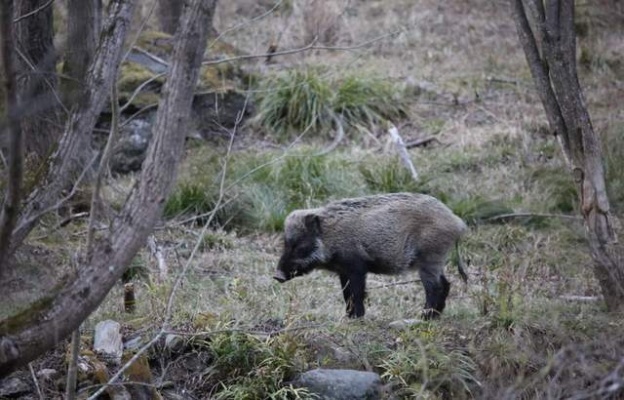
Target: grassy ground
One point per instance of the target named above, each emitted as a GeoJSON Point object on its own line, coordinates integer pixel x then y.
{"type": "Point", "coordinates": [458, 74]}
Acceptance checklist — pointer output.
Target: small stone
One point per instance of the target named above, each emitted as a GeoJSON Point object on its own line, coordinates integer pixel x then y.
{"type": "Point", "coordinates": [341, 384]}
{"type": "Point", "coordinates": [47, 374]}
{"type": "Point", "coordinates": [173, 342]}
{"type": "Point", "coordinates": [133, 344]}
{"type": "Point", "coordinates": [404, 323]}
{"type": "Point", "coordinates": [13, 387]}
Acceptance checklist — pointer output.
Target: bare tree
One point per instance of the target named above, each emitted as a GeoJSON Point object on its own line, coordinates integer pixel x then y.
{"type": "Point", "coordinates": [169, 12]}
{"type": "Point", "coordinates": [84, 23]}
{"type": "Point", "coordinates": [549, 42]}
{"type": "Point", "coordinates": [61, 312]}
{"type": "Point", "coordinates": [37, 81]}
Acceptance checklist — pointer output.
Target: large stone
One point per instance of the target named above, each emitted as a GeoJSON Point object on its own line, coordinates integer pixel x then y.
{"type": "Point", "coordinates": [107, 341]}
{"type": "Point", "coordinates": [341, 384]}
{"type": "Point", "coordinates": [13, 387]}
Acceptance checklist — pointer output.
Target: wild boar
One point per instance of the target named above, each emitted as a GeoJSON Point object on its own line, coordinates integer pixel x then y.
{"type": "Point", "coordinates": [381, 234]}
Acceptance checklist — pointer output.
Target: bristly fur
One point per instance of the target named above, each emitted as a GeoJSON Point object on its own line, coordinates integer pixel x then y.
{"type": "Point", "coordinates": [383, 234]}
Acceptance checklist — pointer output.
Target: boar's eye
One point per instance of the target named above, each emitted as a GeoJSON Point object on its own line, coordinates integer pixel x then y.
{"type": "Point", "coordinates": [302, 250]}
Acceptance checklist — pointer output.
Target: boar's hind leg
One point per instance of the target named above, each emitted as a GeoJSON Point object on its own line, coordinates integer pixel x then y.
{"type": "Point", "coordinates": [354, 290]}
{"type": "Point", "coordinates": [437, 288]}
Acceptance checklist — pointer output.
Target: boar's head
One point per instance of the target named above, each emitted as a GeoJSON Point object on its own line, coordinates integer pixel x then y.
{"type": "Point", "coordinates": [303, 247]}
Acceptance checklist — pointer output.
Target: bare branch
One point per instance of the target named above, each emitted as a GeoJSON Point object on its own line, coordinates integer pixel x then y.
{"type": "Point", "coordinates": [10, 209]}
{"type": "Point", "coordinates": [33, 12]}
{"type": "Point", "coordinates": [530, 215]}
{"type": "Point", "coordinates": [139, 89]}
{"type": "Point", "coordinates": [106, 155]}
{"type": "Point", "coordinates": [311, 46]}
{"type": "Point", "coordinates": [36, 381]}
{"type": "Point", "coordinates": [540, 73]}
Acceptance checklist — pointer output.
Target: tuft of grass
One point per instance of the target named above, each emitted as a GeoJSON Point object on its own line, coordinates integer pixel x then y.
{"type": "Point", "coordinates": [303, 100]}
{"type": "Point", "coordinates": [244, 366]}
{"type": "Point", "coordinates": [389, 176]}
{"type": "Point", "coordinates": [475, 209]}
{"type": "Point", "coordinates": [368, 101]}
{"type": "Point", "coordinates": [559, 191]}
{"type": "Point", "coordinates": [295, 101]}
{"type": "Point", "coordinates": [420, 366]}
{"type": "Point", "coordinates": [188, 199]}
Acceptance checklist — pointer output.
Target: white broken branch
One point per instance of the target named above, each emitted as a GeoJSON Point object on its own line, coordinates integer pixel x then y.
{"type": "Point", "coordinates": [157, 253]}
{"type": "Point", "coordinates": [402, 150]}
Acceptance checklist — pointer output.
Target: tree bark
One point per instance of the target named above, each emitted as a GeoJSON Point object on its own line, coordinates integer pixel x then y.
{"type": "Point", "coordinates": [169, 12]}
{"type": "Point", "coordinates": [10, 207]}
{"type": "Point", "coordinates": [84, 24]}
{"type": "Point", "coordinates": [69, 160]}
{"type": "Point", "coordinates": [37, 81]}
{"type": "Point", "coordinates": [555, 75]}
{"type": "Point", "coordinates": [63, 312]}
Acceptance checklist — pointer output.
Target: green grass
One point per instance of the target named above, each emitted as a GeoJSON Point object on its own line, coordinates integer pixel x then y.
{"type": "Point", "coordinates": [307, 100]}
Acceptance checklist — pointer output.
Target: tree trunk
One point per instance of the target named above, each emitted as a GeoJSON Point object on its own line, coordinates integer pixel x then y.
{"type": "Point", "coordinates": [37, 82]}
{"type": "Point", "coordinates": [169, 12]}
{"type": "Point", "coordinates": [62, 312]}
{"type": "Point", "coordinates": [84, 24]}
{"type": "Point", "coordinates": [70, 158]}
{"type": "Point", "coordinates": [10, 204]}
{"type": "Point", "coordinates": [553, 67]}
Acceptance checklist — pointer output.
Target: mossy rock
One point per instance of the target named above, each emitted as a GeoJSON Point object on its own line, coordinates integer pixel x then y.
{"type": "Point", "coordinates": [131, 76]}
{"type": "Point", "coordinates": [139, 68]}
{"type": "Point", "coordinates": [156, 42]}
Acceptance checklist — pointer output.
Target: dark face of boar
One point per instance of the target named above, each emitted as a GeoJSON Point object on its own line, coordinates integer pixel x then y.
{"type": "Point", "coordinates": [302, 250]}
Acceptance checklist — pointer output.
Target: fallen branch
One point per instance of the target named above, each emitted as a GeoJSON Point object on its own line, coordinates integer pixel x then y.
{"type": "Point", "coordinates": [421, 142]}
{"type": "Point", "coordinates": [571, 297]}
{"type": "Point", "coordinates": [400, 283]}
{"type": "Point", "coordinates": [402, 150]}
{"type": "Point", "coordinates": [35, 381]}
{"type": "Point", "coordinates": [529, 215]}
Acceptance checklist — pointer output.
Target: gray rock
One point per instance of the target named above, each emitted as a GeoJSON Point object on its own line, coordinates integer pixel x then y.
{"type": "Point", "coordinates": [341, 384]}
{"type": "Point", "coordinates": [212, 116]}
{"type": "Point", "coordinates": [13, 387]}
{"type": "Point", "coordinates": [131, 149]}
{"type": "Point", "coordinates": [133, 344]}
{"type": "Point", "coordinates": [174, 343]}
{"type": "Point", "coordinates": [107, 341]}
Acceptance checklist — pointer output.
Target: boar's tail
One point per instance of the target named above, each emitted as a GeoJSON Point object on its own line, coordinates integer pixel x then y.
{"type": "Point", "coordinates": [460, 263]}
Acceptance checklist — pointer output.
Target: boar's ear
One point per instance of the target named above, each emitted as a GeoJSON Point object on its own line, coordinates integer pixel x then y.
{"type": "Point", "coordinates": [313, 223]}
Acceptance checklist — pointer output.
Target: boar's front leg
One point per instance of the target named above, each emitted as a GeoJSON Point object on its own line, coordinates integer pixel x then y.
{"type": "Point", "coordinates": [354, 291]}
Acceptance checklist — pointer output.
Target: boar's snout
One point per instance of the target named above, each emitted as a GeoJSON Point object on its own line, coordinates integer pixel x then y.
{"type": "Point", "coordinates": [280, 276]}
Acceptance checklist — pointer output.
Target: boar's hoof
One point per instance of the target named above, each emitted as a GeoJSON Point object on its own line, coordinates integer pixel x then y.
{"type": "Point", "coordinates": [429, 314]}
{"type": "Point", "coordinates": [280, 276]}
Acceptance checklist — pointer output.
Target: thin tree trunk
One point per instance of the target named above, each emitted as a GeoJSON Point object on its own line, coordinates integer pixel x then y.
{"type": "Point", "coordinates": [84, 24]}
{"type": "Point", "coordinates": [169, 12]}
{"type": "Point", "coordinates": [69, 160]}
{"type": "Point", "coordinates": [555, 75]}
{"type": "Point", "coordinates": [62, 312]}
{"type": "Point", "coordinates": [10, 207]}
{"type": "Point", "coordinates": [37, 81]}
